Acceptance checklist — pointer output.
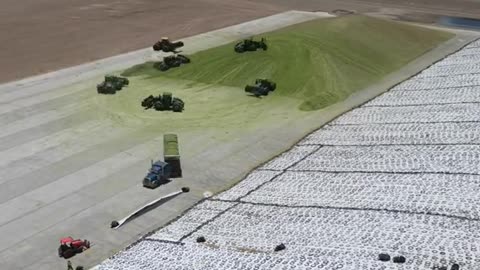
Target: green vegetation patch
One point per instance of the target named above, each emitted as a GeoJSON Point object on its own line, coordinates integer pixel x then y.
{"type": "Point", "coordinates": [319, 62]}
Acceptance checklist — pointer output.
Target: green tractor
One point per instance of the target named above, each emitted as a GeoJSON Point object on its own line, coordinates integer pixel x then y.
{"type": "Point", "coordinates": [111, 84]}
{"type": "Point", "coordinates": [250, 45]}
{"type": "Point", "coordinates": [163, 102]}
{"type": "Point", "coordinates": [261, 88]}
{"type": "Point", "coordinates": [171, 62]}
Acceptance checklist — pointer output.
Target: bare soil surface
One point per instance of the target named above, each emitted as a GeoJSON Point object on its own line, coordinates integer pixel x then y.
{"type": "Point", "coordinates": [39, 36]}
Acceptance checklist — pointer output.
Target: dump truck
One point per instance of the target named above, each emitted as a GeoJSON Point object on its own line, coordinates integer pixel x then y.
{"type": "Point", "coordinates": [160, 172]}
{"type": "Point", "coordinates": [171, 155]}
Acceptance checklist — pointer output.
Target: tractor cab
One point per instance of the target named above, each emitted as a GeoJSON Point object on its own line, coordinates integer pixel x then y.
{"type": "Point", "coordinates": [158, 174]}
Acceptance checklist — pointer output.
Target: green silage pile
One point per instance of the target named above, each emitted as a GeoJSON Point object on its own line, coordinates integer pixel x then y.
{"type": "Point", "coordinates": [319, 62]}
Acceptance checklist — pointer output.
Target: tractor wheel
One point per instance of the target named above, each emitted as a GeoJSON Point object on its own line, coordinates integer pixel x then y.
{"type": "Point", "coordinates": [239, 49]}
{"type": "Point", "coordinates": [183, 59]}
{"type": "Point", "coordinates": [163, 66]}
{"type": "Point", "coordinates": [264, 47]}
{"type": "Point", "coordinates": [68, 253]}
{"type": "Point", "coordinates": [158, 106]}
{"type": "Point", "coordinates": [249, 88]}
{"type": "Point", "coordinates": [177, 107]}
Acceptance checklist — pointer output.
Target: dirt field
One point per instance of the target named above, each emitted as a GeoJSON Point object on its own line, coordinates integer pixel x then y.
{"type": "Point", "coordinates": [45, 35]}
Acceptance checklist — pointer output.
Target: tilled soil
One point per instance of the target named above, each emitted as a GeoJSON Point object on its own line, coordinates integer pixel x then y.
{"type": "Point", "coordinates": [45, 35]}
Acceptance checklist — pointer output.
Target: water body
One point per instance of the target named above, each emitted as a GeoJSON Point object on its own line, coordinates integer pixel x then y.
{"type": "Point", "coordinates": [460, 22]}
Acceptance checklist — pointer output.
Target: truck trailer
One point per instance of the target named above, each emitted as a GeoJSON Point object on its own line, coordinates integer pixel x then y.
{"type": "Point", "coordinates": [171, 155]}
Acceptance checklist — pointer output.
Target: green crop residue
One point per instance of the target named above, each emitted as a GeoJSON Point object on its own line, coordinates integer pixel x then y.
{"type": "Point", "coordinates": [320, 62]}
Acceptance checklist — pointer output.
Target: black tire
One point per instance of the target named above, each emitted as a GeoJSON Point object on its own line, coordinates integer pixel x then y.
{"type": "Point", "coordinates": [159, 106]}
{"type": "Point", "coordinates": [177, 107]}
{"type": "Point", "coordinates": [239, 48]}
{"type": "Point", "coordinates": [68, 253]}
{"type": "Point", "coordinates": [183, 59]}
{"type": "Point", "coordinates": [157, 46]}
{"type": "Point", "coordinates": [163, 66]}
{"type": "Point", "coordinates": [249, 88]}
{"type": "Point", "coordinates": [60, 251]}
{"type": "Point", "coordinates": [383, 257]}
{"type": "Point", "coordinates": [279, 247]}
{"type": "Point", "coordinates": [264, 47]}
{"type": "Point", "coordinates": [399, 259]}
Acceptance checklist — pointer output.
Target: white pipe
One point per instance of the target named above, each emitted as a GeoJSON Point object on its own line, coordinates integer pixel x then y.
{"type": "Point", "coordinates": [122, 221]}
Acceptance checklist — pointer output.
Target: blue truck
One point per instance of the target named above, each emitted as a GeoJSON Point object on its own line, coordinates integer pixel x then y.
{"type": "Point", "coordinates": [160, 172]}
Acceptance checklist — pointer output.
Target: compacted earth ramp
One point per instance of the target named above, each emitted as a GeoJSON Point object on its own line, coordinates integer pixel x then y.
{"type": "Point", "coordinates": [398, 175]}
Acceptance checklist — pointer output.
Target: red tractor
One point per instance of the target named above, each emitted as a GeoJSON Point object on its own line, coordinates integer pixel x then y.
{"type": "Point", "coordinates": [69, 247]}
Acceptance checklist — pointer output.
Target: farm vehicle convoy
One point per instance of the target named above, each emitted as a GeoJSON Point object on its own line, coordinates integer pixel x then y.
{"type": "Point", "coordinates": [165, 102]}
{"type": "Point", "coordinates": [162, 171]}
